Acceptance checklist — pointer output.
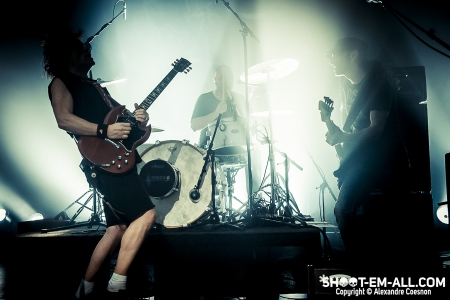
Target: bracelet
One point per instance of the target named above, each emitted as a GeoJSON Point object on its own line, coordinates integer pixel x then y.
{"type": "Point", "coordinates": [102, 131]}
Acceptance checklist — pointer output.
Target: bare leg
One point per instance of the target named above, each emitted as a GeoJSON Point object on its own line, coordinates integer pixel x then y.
{"type": "Point", "coordinates": [132, 240]}
{"type": "Point", "coordinates": [104, 249]}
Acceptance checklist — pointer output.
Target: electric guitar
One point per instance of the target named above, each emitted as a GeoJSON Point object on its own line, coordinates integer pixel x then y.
{"type": "Point", "coordinates": [326, 107]}
{"type": "Point", "coordinates": [118, 156]}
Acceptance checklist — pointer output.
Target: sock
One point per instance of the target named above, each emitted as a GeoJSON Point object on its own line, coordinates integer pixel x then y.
{"type": "Point", "coordinates": [117, 282]}
{"type": "Point", "coordinates": [84, 289]}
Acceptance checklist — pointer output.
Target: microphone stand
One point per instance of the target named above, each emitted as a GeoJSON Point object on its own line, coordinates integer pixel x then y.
{"type": "Point", "coordinates": [194, 194]}
{"type": "Point", "coordinates": [324, 185]}
{"type": "Point", "coordinates": [92, 37]}
{"type": "Point", "coordinates": [245, 31]}
{"type": "Point", "coordinates": [431, 32]}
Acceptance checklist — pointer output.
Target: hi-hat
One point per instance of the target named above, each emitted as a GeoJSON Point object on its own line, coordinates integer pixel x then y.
{"type": "Point", "coordinates": [104, 83]}
{"type": "Point", "coordinates": [270, 70]}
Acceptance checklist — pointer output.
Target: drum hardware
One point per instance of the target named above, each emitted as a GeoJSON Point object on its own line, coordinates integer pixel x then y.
{"type": "Point", "coordinates": [260, 74]}
{"type": "Point", "coordinates": [194, 194]}
{"type": "Point", "coordinates": [97, 211]}
{"type": "Point", "coordinates": [232, 214]}
{"type": "Point", "coordinates": [245, 31]}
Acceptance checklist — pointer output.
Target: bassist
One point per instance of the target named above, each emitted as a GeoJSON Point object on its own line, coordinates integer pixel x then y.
{"type": "Point", "coordinates": [374, 157]}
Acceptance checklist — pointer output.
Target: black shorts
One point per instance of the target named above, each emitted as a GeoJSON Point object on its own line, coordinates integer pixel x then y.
{"type": "Point", "coordinates": [125, 196]}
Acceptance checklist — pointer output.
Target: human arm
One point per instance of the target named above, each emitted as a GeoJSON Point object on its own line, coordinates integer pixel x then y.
{"type": "Point", "coordinates": [62, 104]}
{"type": "Point", "coordinates": [377, 121]}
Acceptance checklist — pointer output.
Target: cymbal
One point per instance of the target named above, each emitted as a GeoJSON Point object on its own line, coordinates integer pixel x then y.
{"type": "Point", "coordinates": [104, 83]}
{"type": "Point", "coordinates": [270, 70]}
{"type": "Point", "coordinates": [275, 112]}
{"type": "Point", "coordinates": [156, 129]}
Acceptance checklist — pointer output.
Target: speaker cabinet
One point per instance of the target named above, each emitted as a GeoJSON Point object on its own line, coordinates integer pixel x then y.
{"type": "Point", "coordinates": [413, 122]}
{"type": "Point", "coordinates": [412, 112]}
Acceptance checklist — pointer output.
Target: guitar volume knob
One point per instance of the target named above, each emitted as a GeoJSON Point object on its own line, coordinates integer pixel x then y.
{"type": "Point", "coordinates": [127, 154]}
{"type": "Point", "coordinates": [113, 162]}
{"type": "Point", "coordinates": [119, 157]}
{"type": "Point", "coordinates": [125, 161]}
{"type": "Point", "coordinates": [119, 166]}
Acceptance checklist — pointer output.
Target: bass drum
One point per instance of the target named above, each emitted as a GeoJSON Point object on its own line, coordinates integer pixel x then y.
{"type": "Point", "coordinates": [172, 168]}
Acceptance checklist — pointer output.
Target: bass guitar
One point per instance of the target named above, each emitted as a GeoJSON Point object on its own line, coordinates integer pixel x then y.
{"type": "Point", "coordinates": [326, 107]}
{"type": "Point", "coordinates": [118, 156]}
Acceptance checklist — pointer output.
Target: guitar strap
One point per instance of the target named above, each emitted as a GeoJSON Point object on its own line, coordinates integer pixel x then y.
{"type": "Point", "coordinates": [101, 91]}
{"type": "Point", "coordinates": [362, 100]}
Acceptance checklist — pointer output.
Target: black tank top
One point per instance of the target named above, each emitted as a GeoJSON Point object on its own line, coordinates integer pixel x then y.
{"type": "Point", "coordinates": [88, 103]}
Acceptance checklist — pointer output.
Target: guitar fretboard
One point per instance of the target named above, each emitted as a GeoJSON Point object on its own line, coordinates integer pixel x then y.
{"type": "Point", "coordinates": [148, 101]}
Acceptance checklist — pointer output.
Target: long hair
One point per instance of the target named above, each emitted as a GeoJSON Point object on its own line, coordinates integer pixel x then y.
{"type": "Point", "coordinates": [57, 48]}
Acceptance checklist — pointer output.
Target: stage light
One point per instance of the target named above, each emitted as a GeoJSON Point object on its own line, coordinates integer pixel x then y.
{"type": "Point", "coordinates": [2, 214]}
{"type": "Point", "coordinates": [36, 216]}
{"type": "Point", "coordinates": [442, 212]}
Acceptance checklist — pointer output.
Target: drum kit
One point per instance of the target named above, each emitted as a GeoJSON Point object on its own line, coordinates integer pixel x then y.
{"type": "Point", "coordinates": [171, 168]}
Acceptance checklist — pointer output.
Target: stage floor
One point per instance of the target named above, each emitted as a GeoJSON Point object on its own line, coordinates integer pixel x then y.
{"type": "Point", "coordinates": [216, 260]}
{"type": "Point", "coordinates": [262, 261]}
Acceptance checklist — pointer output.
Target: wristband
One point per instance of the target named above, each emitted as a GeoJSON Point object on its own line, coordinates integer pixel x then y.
{"type": "Point", "coordinates": [102, 131]}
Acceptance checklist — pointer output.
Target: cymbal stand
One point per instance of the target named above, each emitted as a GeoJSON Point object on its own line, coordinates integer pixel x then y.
{"type": "Point", "coordinates": [95, 216]}
{"type": "Point", "coordinates": [244, 32]}
{"type": "Point", "coordinates": [289, 204]}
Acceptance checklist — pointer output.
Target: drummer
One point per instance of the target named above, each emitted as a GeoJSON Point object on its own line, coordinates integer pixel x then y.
{"type": "Point", "coordinates": [222, 100]}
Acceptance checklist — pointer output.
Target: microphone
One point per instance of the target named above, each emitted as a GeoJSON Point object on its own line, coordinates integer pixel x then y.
{"type": "Point", "coordinates": [194, 194]}
{"type": "Point", "coordinates": [124, 10]}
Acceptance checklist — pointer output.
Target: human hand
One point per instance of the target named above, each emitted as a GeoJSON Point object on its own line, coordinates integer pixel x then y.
{"type": "Point", "coordinates": [119, 130]}
{"type": "Point", "coordinates": [140, 114]}
{"type": "Point", "coordinates": [221, 108]}
{"type": "Point", "coordinates": [334, 136]}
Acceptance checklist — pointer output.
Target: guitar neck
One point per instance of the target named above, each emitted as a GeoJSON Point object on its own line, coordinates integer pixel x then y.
{"type": "Point", "coordinates": [148, 101]}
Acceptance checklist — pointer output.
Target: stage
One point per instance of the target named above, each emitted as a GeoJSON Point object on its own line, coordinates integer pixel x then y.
{"type": "Point", "coordinates": [211, 260]}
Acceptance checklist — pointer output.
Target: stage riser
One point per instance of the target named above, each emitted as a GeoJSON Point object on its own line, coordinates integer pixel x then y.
{"type": "Point", "coordinates": [169, 264]}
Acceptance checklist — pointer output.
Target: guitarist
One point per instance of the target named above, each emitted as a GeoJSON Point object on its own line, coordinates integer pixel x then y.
{"type": "Point", "coordinates": [80, 107]}
{"type": "Point", "coordinates": [374, 156]}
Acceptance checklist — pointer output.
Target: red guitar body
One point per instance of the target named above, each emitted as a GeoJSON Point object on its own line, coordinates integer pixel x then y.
{"type": "Point", "coordinates": [115, 156]}
{"type": "Point", "coordinates": [119, 156]}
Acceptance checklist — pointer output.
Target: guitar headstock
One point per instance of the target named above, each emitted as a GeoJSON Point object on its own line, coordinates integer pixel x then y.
{"type": "Point", "coordinates": [182, 65]}
{"type": "Point", "coordinates": [326, 107]}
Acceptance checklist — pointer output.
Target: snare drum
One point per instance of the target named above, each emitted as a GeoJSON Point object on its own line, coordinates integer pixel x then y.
{"type": "Point", "coordinates": [172, 168]}
{"type": "Point", "coordinates": [230, 136]}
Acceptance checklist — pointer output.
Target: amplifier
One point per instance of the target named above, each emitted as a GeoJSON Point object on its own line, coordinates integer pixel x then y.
{"type": "Point", "coordinates": [412, 84]}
